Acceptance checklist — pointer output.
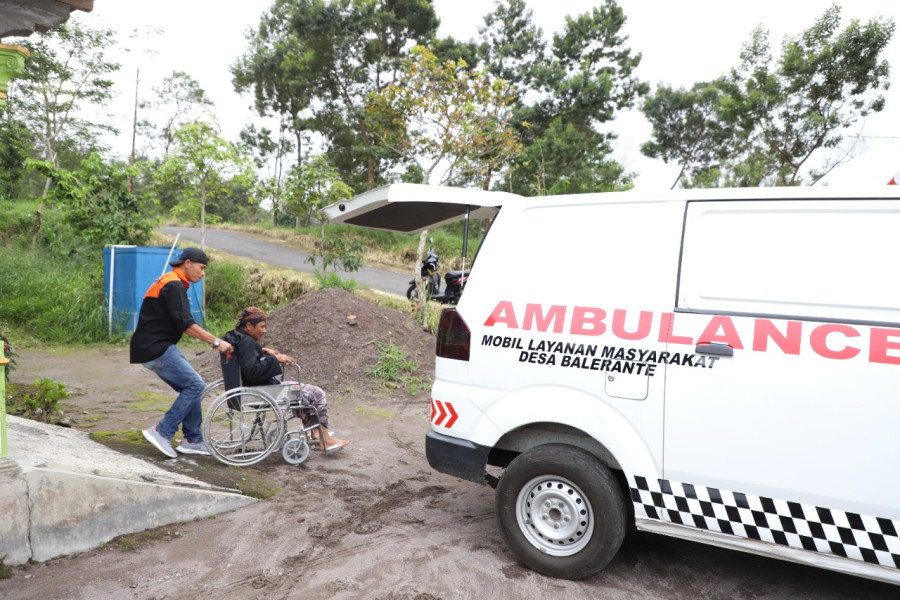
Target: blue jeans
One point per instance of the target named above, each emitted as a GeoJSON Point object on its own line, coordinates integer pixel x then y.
{"type": "Point", "coordinates": [173, 368]}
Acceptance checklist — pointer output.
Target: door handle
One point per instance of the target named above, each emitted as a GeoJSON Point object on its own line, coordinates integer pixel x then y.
{"type": "Point", "coordinates": [715, 349]}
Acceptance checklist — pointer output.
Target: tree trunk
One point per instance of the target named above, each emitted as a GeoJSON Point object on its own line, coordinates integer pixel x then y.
{"type": "Point", "coordinates": [49, 156]}
{"type": "Point", "coordinates": [420, 283]}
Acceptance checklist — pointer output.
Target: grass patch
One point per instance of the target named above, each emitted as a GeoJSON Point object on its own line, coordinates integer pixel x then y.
{"type": "Point", "coordinates": [54, 298]}
{"type": "Point", "coordinates": [331, 279]}
{"type": "Point", "coordinates": [373, 413]}
{"type": "Point", "coordinates": [255, 484]}
{"type": "Point", "coordinates": [128, 436]}
{"type": "Point", "coordinates": [150, 402]}
{"type": "Point", "coordinates": [144, 539]}
{"type": "Point", "coordinates": [395, 368]}
{"type": "Point", "coordinates": [88, 421]}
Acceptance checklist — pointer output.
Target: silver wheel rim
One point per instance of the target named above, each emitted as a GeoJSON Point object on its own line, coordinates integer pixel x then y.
{"type": "Point", "coordinates": [295, 451]}
{"type": "Point", "coordinates": [554, 515]}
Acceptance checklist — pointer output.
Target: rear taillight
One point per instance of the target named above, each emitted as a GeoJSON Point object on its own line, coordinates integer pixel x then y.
{"type": "Point", "coordinates": [453, 336]}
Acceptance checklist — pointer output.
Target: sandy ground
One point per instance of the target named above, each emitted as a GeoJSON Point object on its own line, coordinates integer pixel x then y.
{"type": "Point", "coordinates": [373, 521]}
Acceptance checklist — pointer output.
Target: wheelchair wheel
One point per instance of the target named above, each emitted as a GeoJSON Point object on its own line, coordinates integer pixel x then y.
{"type": "Point", "coordinates": [295, 451]}
{"type": "Point", "coordinates": [243, 426]}
{"type": "Point", "coordinates": [212, 391]}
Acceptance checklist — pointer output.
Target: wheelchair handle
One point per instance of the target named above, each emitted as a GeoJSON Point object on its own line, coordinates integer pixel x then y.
{"type": "Point", "coordinates": [292, 366]}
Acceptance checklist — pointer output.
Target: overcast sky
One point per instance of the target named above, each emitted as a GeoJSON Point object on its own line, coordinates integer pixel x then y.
{"type": "Point", "coordinates": [681, 42]}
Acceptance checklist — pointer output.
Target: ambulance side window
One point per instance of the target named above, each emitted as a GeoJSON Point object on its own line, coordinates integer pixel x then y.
{"type": "Point", "coordinates": [829, 259]}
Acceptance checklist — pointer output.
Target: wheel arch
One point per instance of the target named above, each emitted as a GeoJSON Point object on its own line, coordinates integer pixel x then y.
{"type": "Point", "coordinates": [574, 418]}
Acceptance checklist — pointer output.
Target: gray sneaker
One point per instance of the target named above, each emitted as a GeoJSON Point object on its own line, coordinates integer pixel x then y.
{"type": "Point", "coordinates": [162, 444]}
{"type": "Point", "coordinates": [186, 447]}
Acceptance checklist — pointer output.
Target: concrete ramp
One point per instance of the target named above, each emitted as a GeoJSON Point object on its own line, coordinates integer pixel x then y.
{"type": "Point", "coordinates": [61, 492]}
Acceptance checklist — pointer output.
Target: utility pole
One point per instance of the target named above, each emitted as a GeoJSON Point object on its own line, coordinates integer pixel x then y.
{"type": "Point", "coordinates": [137, 80]}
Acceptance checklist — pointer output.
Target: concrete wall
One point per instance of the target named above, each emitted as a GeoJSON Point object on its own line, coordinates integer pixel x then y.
{"type": "Point", "coordinates": [61, 493]}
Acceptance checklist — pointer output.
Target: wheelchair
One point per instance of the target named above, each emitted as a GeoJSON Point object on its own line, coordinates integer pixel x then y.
{"type": "Point", "coordinates": [244, 425]}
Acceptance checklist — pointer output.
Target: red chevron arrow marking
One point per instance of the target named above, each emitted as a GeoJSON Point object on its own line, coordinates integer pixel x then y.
{"type": "Point", "coordinates": [453, 416]}
{"type": "Point", "coordinates": [441, 412]}
{"type": "Point", "coordinates": [433, 410]}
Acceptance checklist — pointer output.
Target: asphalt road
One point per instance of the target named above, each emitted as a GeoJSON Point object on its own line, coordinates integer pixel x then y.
{"type": "Point", "coordinates": [281, 255]}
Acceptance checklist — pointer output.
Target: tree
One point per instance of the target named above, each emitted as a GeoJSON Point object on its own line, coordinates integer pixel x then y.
{"type": "Point", "coordinates": [311, 187]}
{"type": "Point", "coordinates": [688, 129]}
{"type": "Point", "coordinates": [764, 122]}
{"type": "Point", "coordinates": [202, 163]}
{"type": "Point", "coordinates": [268, 155]}
{"type": "Point", "coordinates": [566, 96]}
{"type": "Point", "coordinates": [66, 73]}
{"type": "Point", "coordinates": [442, 114]}
{"type": "Point", "coordinates": [824, 82]}
{"type": "Point", "coordinates": [97, 202]}
{"type": "Point", "coordinates": [335, 52]}
{"type": "Point", "coordinates": [179, 100]}
{"type": "Point", "coordinates": [16, 142]}
{"type": "Point", "coordinates": [511, 46]}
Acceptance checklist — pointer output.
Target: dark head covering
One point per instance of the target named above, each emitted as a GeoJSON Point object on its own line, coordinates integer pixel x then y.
{"type": "Point", "coordinates": [252, 315]}
{"type": "Point", "coordinates": [192, 254]}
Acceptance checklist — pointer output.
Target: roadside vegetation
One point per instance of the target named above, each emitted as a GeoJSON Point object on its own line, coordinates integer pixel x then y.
{"type": "Point", "coordinates": [366, 95]}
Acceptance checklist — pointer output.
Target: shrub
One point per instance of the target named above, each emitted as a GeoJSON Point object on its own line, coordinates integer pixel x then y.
{"type": "Point", "coordinates": [395, 366]}
{"type": "Point", "coordinates": [42, 403]}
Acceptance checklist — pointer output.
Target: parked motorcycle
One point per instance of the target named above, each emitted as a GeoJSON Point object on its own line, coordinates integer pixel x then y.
{"type": "Point", "coordinates": [455, 282]}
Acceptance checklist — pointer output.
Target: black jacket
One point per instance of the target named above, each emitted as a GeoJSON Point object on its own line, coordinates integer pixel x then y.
{"type": "Point", "coordinates": [256, 368]}
{"type": "Point", "coordinates": [165, 314]}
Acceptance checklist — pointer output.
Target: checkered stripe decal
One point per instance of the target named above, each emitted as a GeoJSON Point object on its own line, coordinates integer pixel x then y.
{"type": "Point", "coordinates": [803, 526]}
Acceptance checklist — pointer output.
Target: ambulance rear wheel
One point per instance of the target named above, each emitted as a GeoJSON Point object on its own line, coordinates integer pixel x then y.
{"type": "Point", "coordinates": [561, 511]}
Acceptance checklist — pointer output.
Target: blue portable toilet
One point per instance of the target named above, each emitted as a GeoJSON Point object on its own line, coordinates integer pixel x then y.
{"type": "Point", "coordinates": [128, 271]}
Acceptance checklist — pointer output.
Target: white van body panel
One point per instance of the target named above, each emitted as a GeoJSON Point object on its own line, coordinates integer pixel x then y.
{"type": "Point", "coordinates": [734, 353]}
{"type": "Point", "coordinates": [578, 411]}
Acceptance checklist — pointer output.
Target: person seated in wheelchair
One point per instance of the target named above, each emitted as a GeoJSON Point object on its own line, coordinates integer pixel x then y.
{"type": "Point", "coordinates": [263, 366]}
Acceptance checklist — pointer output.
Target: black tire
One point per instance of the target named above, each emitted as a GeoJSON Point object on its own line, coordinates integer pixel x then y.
{"type": "Point", "coordinates": [561, 511]}
{"type": "Point", "coordinates": [412, 294]}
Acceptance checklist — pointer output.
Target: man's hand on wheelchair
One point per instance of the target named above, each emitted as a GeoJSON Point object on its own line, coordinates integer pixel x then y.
{"type": "Point", "coordinates": [282, 358]}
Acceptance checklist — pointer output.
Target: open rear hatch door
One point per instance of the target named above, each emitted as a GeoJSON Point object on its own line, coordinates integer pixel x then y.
{"type": "Point", "coordinates": [414, 207]}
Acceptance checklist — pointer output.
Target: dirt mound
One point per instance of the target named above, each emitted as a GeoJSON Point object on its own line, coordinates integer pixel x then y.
{"type": "Point", "coordinates": [334, 335]}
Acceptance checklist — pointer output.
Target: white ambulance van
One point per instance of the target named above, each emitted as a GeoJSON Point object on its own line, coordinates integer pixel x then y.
{"type": "Point", "coordinates": [721, 366]}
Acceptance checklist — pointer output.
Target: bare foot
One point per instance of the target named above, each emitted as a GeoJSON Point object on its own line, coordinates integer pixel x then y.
{"type": "Point", "coordinates": [329, 442]}
{"type": "Point", "coordinates": [333, 442]}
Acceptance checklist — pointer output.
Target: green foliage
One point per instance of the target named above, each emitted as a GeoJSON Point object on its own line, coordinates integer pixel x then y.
{"type": "Point", "coordinates": [15, 144]}
{"type": "Point", "coordinates": [67, 74]}
{"type": "Point", "coordinates": [314, 62]}
{"type": "Point", "coordinates": [337, 251]}
{"type": "Point", "coordinates": [179, 100]}
{"type": "Point", "coordinates": [42, 403]}
{"type": "Point", "coordinates": [441, 113]}
{"type": "Point", "coordinates": [52, 297]}
{"type": "Point", "coordinates": [230, 287]}
{"type": "Point", "coordinates": [327, 280]}
{"type": "Point", "coordinates": [312, 186]}
{"type": "Point", "coordinates": [269, 155]}
{"type": "Point", "coordinates": [763, 123]}
{"type": "Point", "coordinates": [825, 81]}
{"type": "Point", "coordinates": [8, 351]}
{"type": "Point", "coordinates": [201, 165]}
{"type": "Point", "coordinates": [688, 129]}
{"type": "Point", "coordinates": [566, 96]}
{"type": "Point", "coordinates": [395, 366]}
{"type": "Point", "coordinates": [97, 202]}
